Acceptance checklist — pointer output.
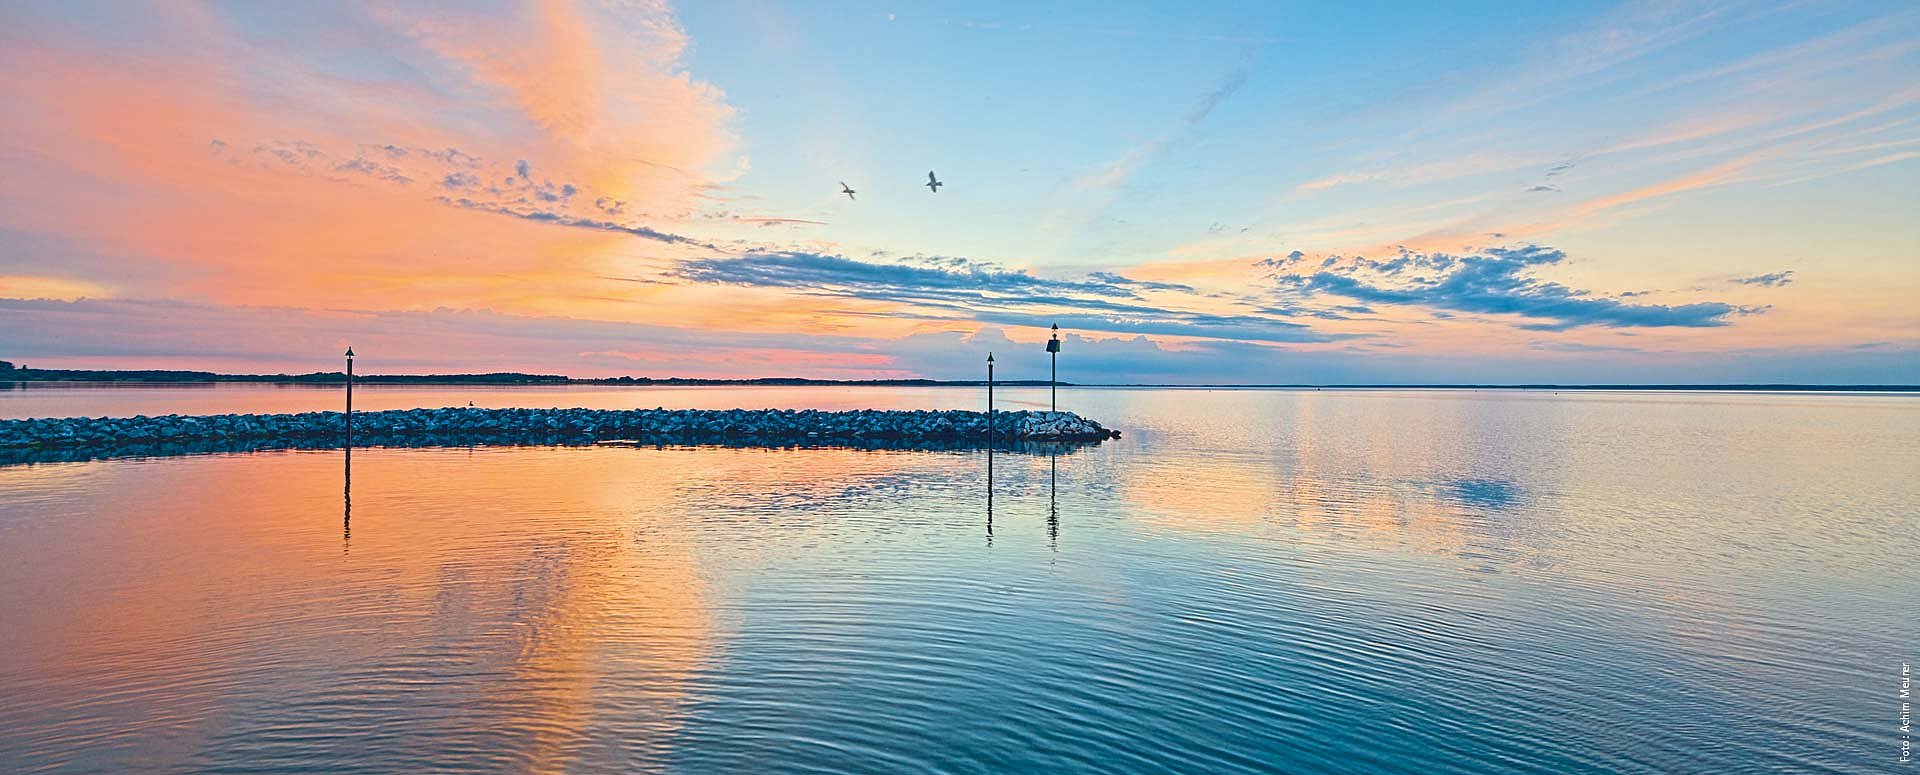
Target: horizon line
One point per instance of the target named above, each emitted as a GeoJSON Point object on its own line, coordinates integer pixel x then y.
{"type": "Point", "coordinates": [182, 376]}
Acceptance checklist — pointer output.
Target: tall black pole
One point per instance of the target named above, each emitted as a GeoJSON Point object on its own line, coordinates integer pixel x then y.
{"type": "Point", "coordinates": [1053, 385]}
{"type": "Point", "coordinates": [989, 398]}
{"type": "Point", "coordinates": [349, 397]}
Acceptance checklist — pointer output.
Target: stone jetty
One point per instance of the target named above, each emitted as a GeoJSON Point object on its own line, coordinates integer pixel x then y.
{"type": "Point", "coordinates": [471, 425]}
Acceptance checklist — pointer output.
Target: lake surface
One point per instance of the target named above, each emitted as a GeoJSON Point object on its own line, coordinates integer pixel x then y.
{"type": "Point", "coordinates": [1248, 581]}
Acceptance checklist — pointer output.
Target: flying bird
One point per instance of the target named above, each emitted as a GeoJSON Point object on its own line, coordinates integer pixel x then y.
{"type": "Point", "coordinates": [844, 189]}
{"type": "Point", "coordinates": [933, 183]}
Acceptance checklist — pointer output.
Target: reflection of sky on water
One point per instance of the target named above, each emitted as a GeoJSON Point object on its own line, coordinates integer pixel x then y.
{"type": "Point", "coordinates": [1245, 581]}
{"type": "Point", "coordinates": [1489, 494]}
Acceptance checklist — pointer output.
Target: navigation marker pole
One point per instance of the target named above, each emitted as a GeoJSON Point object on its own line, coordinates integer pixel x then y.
{"type": "Point", "coordinates": [989, 399]}
{"type": "Point", "coordinates": [1053, 352]}
{"type": "Point", "coordinates": [349, 396]}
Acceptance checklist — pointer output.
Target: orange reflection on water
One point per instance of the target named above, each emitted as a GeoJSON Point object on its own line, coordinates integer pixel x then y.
{"type": "Point", "coordinates": [528, 605]}
{"type": "Point", "coordinates": [563, 583]}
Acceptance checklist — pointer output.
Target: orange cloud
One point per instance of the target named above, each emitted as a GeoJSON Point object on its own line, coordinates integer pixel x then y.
{"type": "Point", "coordinates": [311, 190]}
{"type": "Point", "coordinates": [39, 287]}
{"type": "Point", "coordinates": [1712, 176]}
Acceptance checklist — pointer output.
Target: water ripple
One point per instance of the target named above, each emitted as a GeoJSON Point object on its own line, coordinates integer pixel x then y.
{"type": "Point", "coordinates": [1253, 583]}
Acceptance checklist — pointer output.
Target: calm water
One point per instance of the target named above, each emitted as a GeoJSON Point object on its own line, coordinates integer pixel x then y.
{"type": "Point", "coordinates": [1249, 581]}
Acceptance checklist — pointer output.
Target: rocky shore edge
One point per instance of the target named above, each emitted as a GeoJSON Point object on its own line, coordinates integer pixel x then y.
{"type": "Point", "coordinates": [474, 425]}
{"type": "Point", "coordinates": [151, 449]}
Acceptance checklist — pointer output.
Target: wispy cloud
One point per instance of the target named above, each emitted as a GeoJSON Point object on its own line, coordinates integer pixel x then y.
{"type": "Point", "coordinates": [1768, 280]}
{"type": "Point", "coordinates": [1117, 172]}
{"type": "Point", "coordinates": [1719, 174]}
{"type": "Point", "coordinates": [562, 219]}
{"type": "Point", "coordinates": [465, 181]}
{"type": "Point", "coordinates": [820, 271]}
{"type": "Point", "coordinates": [768, 220]}
{"type": "Point", "coordinates": [1400, 175]}
{"type": "Point", "coordinates": [1624, 34]}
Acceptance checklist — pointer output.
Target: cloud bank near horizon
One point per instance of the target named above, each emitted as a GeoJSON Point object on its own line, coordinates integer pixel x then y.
{"type": "Point", "coordinates": [957, 289]}
{"type": "Point", "coordinates": [178, 335]}
{"type": "Point", "coordinates": [1493, 282]}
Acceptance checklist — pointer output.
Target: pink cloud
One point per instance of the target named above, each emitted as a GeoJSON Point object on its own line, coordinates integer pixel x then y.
{"type": "Point", "coordinates": [243, 173]}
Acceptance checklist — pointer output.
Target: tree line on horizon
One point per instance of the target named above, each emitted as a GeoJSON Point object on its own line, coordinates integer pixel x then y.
{"type": "Point", "coordinates": [21, 373]}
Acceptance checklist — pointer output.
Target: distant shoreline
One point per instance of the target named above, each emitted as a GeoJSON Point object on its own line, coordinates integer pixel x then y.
{"type": "Point", "coordinates": [517, 379]}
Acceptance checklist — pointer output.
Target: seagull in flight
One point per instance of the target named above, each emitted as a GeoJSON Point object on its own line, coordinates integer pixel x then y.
{"type": "Point", "coordinates": [933, 184]}
{"type": "Point", "coordinates": [844, 189]}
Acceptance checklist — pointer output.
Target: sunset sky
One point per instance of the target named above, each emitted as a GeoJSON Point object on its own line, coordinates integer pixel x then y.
{"type": "Point", "coordinates": [1324, 193]}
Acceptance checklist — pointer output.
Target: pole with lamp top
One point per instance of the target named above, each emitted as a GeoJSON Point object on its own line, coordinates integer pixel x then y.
{"type": "Point", "coordinates": [349, 391]}
{"type": "Point", "coordinates": [1053, 353]}
{"type": "Point", "coordinates": [989, 398]}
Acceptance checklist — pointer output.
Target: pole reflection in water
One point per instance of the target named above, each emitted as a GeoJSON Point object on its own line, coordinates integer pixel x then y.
{"type": "Point", "coordinates": [989, 494]}
{"type": "Point", "coordinates": [346, 514]}
{"type": "Point", "coordinates": [1053, 507]}
{"type": "Point", "coordinates": [989, 449]}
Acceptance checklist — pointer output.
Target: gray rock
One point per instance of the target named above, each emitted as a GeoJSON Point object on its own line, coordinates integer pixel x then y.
{"type": "Point", "coordinates": [772, 425]}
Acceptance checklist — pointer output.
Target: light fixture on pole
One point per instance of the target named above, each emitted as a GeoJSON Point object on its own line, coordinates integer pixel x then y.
{"type": "Point", "coordinates": [349, 395]}
{"type": "Point", "coordinates": [989, 398]}
{"type": "Point", "coordinates": [1053, 352]}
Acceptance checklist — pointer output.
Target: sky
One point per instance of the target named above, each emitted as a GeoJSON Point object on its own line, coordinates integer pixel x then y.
{"type": "Point", "coordinates": [1311, 193]}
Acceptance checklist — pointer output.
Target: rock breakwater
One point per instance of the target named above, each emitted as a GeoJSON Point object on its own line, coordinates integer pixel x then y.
{"type": "Point", "coordinates": [777, 426]}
